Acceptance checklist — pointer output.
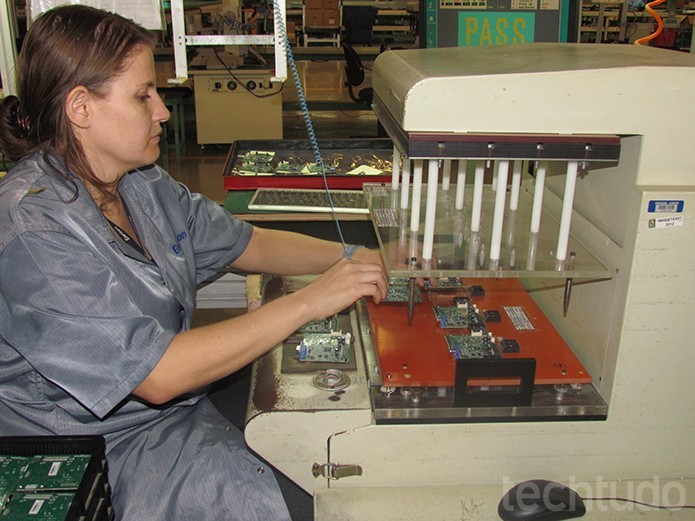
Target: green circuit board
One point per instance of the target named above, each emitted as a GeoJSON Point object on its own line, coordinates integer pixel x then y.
{"type": "Point", "coordinates": [54, 472]}
{"type": "Point", "coordinates": [325, 347]}
{"type": "Point", "coordinates": [325, 325]}
{"type": "Point", "coordinates": [466, 346]}
{"type": "Point", "coordinates": [37, 506]}
{"type": "Point", "coordinates": [452, 316]}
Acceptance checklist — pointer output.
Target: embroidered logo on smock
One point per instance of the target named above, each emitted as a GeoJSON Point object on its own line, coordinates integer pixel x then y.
{"type": "Point", "coordinates": [177, 246]}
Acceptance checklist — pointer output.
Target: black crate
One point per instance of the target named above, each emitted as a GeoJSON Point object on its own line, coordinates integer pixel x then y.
{"type": "Point", "coordinates": [92, 498]}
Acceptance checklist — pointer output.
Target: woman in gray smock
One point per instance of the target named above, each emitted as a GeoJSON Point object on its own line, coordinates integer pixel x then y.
{"type": "Point", "coordinates": [100, 255]}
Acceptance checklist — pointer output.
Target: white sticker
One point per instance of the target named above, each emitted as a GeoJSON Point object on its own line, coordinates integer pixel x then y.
{"type": "Point", "coordinates": [666, 222]}
{"type": "Point", "coordinates": [55, 468]}
{"type": "Point", "coordinates": [385, 217]}
{"type": "Point", "coordinates": [529, 5]}
{"type": "Point", "coordinates": [36, 507]}
{"type": "Point", "coordinates": [550, 5]}
{"type": "Point", "coordinates": [519, 319]}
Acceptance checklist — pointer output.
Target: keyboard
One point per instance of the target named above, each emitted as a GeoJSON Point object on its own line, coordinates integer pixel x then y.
{"type": "Point", "coordinates": [308, 200]}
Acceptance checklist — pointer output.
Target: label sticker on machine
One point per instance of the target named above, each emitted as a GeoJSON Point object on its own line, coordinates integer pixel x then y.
{"type": "Point", "coordinates": [518, 317]}
{"type": "Point", "coordinates": [663, 206]}
{"type": "Point", "coordinates": [666, 222]}
{"type": "Point", "coordinates": [385, 217]}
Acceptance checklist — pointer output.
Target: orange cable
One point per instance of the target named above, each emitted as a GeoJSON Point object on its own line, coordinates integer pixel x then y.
{"type": "Point", "coordinates": [659, 22]}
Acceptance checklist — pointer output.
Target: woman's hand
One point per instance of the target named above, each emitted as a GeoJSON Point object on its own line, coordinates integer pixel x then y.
{"type": "Point", "coordinates": [205, 354]}
{"type": "Point", "coordinates": [346, 282]}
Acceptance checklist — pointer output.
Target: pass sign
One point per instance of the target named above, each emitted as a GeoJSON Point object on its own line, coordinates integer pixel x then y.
{"type": "Point", "coordinates": [487, 28]}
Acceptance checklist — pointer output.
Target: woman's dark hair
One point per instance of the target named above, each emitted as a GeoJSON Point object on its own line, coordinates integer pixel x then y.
{"type": "Point", "coordinates": [65, 47]}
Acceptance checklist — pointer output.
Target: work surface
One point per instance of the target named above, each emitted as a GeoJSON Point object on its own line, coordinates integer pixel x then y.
{"type": "Point", "coordinates": [479, 502]}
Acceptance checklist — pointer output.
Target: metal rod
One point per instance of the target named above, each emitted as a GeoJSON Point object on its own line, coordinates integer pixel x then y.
{"type": "Point", "coordinates": [568, 286]}
{"type": "Point", "coordinates": [411, 291]}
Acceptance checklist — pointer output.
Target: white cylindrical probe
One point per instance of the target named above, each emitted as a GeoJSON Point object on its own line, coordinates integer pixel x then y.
{"type": "Point", "coordinates": [566, 217]}
{"type": "Point", "coordinates": [516, 184]}
{"type": "Point", "coordinates": [430, 210]}
{"type": "Point", "coordinates": [477, 195]}
{"type": "Point", "coordinates": [446, 174]}
{"type": "Point", "coordinates": [461, 183]}
{"type": "Point", "coordinates": [417, 194]}
{"type": "Point", "coordinates": [498, 215]}
{"type": "Point", "coordinates": [405, 183]}
{"type": "Point", "coordinates": [538, 196]}
{"type": "Point", "coordinates": [395, 168]}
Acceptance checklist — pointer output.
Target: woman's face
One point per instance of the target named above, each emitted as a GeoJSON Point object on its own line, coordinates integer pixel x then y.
{"type": "Point", "coordinates": [125, 126]}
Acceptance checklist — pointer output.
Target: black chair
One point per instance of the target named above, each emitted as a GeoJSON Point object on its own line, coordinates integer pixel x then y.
{"type": "Point", "coordinates": [354, 70]}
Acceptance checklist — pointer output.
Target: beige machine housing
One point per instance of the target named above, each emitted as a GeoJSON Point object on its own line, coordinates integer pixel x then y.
{"type": "Point", "coordinates": [243, 104]}
{"type": "Point", "coordinates": [632, 330]}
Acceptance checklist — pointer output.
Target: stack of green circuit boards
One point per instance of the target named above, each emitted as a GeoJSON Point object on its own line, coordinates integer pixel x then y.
{"type": "Point", "coordinates": [53, 485]}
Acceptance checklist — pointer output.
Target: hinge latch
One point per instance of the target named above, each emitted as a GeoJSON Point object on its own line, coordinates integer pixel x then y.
{"type": "Point", "coordinates": [335, 470]}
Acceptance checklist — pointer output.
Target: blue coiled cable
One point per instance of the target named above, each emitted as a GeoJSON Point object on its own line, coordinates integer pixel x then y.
{"type": "Point", "coordinates": [305, 112]}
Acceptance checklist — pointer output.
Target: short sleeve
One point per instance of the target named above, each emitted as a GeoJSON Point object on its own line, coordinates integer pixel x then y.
{"type": "Point", "coordinates": [68, 314]}
{"type": "Point", "coordinates": [215, 236]}
{"type": "Point", "coordinates": [219, 238]}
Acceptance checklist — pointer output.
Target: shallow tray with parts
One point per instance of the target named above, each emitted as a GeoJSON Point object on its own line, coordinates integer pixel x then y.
{"type": "Point", "coordinates": [340, 156]}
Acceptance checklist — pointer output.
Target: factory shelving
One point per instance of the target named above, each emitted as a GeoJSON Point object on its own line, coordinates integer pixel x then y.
{"type": "Point", "coordinates": [602, 21]}
{"type": "Point", "coordinates": [394, 26]}
{"type": "Point", "coordinates": [322, 22]}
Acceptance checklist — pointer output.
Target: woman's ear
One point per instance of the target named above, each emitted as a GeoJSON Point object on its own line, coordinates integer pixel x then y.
{"type": "Point", "coordinates": [77, 106]}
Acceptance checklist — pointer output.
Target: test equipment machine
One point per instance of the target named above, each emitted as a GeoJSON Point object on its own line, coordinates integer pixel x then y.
{"type": "Point", "coordinates": [238, 104]}
{"type": "Point", "coordinates": [552, 336]}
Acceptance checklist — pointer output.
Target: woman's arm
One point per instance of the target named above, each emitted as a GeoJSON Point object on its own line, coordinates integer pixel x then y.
{"type": "Point", "coordinates": [205, 354]}
{"type": "Point", "coordinates": [287, 253]}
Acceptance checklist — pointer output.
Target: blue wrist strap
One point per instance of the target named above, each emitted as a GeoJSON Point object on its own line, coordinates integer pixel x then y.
{"type": "Point", "coordinates": [350, 250]}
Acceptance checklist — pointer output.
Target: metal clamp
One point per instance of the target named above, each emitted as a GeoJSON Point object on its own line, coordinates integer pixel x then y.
{"type": "Point", "coordinates": [335, 470]}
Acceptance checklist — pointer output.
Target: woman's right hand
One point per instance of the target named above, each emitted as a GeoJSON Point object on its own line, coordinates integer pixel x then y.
{"type": "Point", "coordinates": [344, 283]}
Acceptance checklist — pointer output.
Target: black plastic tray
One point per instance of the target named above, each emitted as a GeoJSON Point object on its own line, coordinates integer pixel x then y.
{"type": "Point", "coordinates": [92, 499]}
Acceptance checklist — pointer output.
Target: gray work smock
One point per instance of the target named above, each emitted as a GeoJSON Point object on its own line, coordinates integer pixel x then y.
{"type": "Point", "coordinates": [82, 324]}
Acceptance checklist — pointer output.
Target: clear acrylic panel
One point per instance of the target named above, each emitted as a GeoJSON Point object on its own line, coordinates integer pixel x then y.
{"type": "Point", "coordinates": [460, 252]}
